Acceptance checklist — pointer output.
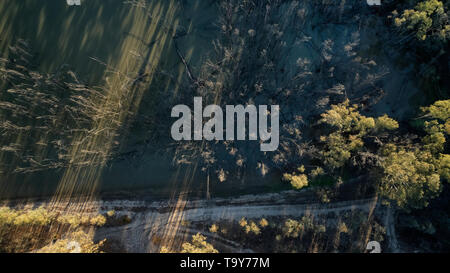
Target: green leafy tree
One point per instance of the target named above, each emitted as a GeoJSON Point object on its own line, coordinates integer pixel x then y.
{"type": "Point", "coordinates": [437, 126]}
{"type": "Point", "coordinates": [444, 166]}
{"type": "Point", "coordinates": [428, 18]}
{"type": "Point", "coordinates": [410, 178]}
{"type": "Point", "coordinates": [412, 175]}
{"type": "Point", "coordinates": [349, 127]}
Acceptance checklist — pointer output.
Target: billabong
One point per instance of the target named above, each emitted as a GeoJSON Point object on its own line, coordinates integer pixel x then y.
{"type": "Point", "coordinates": [213, 129]}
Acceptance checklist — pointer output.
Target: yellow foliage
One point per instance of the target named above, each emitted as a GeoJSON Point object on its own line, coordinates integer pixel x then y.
{"type": "Point", "coordinates": [342, 228]}
{"type": "Point", "coordinates": [438, 110]}
{"type": "Point", "coordinates": [263, 222]}
{"type": "Point", "coordinates": [385, 123]}
{"type": "Point", "coordinates": [254, 228]}
{"type": "Point", "coordinates": [349, 129]}
{"type": "Point", "coordinates": [165, 249]}
{"type": "Point", "coordinates": [317, 172]}
{"type": "Point", "coordinates": [214, 228]}
{"type": "Point", "coordinates": [43, 217]}
{"type": "Point", "coordinates": [424, 19]}
{"type": "Point", "coordinates": [410, 178]}
{"type": "Point", "coordinates": [198, 245]}
{"type": "Point", "coordinates": [297, 181]}
{"type": "Point", "coordinates": [98, 220]}
{"type": "Point", "coordinates": [294, 229]}
{"type": "Point", "coordinates": [301, 169]}
{"type": "Point", "coordinates": [444, 166]}
{"type": "Point", "coordinates": [242, 222]}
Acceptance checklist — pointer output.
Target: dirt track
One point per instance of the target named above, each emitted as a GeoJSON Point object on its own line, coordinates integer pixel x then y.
{"type": "Point", "coordinates": [164, 221]}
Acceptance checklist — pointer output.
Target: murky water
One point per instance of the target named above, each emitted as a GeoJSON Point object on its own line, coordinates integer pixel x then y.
{"type": "Point", "coordinates": [130, 39]}
{"type": "Point", "coordinates": [105, 42]}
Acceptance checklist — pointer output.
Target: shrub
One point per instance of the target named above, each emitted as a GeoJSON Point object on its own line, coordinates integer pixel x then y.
{"type": "Point", "coordinates": [198, 245]}
{"type": "Point", "coordinates": [214, 228]}
{"type": "Point", "coordinates": [297, 181]}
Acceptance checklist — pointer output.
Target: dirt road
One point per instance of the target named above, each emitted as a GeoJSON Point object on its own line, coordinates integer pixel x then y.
{"type": "Point", "coordinates": [166, 221]}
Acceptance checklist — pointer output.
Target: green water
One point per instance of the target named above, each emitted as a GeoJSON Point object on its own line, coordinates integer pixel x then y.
{"type": "Point", "coordinates": [102, 41]}
{"type": "Point", "coordinates": [62, 34]}
{"type": "Point", "coordinates": [111, 31]}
